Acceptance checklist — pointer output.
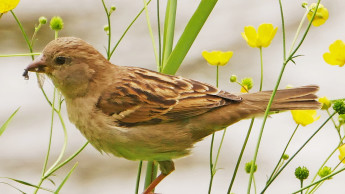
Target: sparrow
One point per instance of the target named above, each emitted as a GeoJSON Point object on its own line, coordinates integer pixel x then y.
{"type": "Point", "coordinates": [139, 114]}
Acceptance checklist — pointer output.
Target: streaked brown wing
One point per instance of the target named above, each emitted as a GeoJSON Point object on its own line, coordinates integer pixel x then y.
{"type": "Point", "coordinates": [147, 97]}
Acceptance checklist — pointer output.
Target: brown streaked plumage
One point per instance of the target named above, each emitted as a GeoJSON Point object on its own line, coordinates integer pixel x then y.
{"type": "Point", "coordinates": [140, 114]}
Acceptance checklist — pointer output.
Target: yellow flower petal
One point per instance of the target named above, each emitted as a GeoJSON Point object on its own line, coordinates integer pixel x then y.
{"type": "Point", "coordinates": [262, 38]}
{"type": "Point", "coordinates": [217, 58]}
{"type": "Point", "coordinates": [336, 56]}
{"type": "Point", "coordinates": [326, 103]}
{"type": "Point", "coordinates": [342, 153]}
{"type": "Point", "coordinates": [304, 117]}
{"type": "Point", "coordinates": [7, 5]}
{"type": "Point", "coordinates": [321, 15]}
{"type": "Point", "coordinates": [266, 34]}
{"type": "Point", "coordinates": [250, 36]}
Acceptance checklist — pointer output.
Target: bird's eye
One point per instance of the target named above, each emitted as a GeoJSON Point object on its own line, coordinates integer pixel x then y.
{"type": "Point", "coordinates": [60, 60]}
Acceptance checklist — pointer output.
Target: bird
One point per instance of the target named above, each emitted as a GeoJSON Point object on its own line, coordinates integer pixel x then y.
{"type": "Point", "coordinates": [139, 114]}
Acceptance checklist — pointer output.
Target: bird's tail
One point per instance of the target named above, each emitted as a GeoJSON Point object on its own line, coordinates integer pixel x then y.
{"type": "Point", "coordinates": [301, 98]}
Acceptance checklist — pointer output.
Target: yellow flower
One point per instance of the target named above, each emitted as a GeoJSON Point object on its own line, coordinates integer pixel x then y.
{"type": "Point", "coordinates": [262, 38]}
{"type": "Point", "coordinates": [321, 14]}
{"type": "Point", "coordinates": [217, 58]}
{"type": "Point", "coordinates": [304, 117]}
{"type": "Point", "coordinates": [342, 153]}
{"type": "Point", "coordinates": [326, 103]}
{"type": "Point", "coordinates": [336, 55]}
{"type": "Point", "coordinates": [7, 5]}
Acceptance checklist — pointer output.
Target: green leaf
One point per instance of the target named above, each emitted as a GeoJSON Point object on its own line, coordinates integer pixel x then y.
{"type": "Point", "coordinates": [27, 184]}
{"type": "Point", "coordinates": [66, 178]}
{"type": "Point", "coordinates": [4, 126]}
{"type": "Point", "coordinates": [188, 36]}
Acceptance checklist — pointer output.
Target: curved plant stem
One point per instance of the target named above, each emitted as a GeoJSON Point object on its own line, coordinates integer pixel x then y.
{"type": "Point", "coordinates": [109, 31]}
{"type": "Point", "coordinates": [292, 157]}
{"type": "Point", "coordinates": [125, 32]}
{"type": "Point", "coordinates": [241, 155]}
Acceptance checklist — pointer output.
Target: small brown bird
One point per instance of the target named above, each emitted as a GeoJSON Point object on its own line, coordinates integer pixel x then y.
{"type": "Point", "coordinates": [140, 114]}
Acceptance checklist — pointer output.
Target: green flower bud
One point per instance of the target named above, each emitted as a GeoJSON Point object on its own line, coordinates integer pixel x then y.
{"type": "Point", "coordinates": [285, 157]}
{"type": "Point", "coordinates": [248, 82]}
{"type": "Point", "coordinates": [301, 173]}
{"type": "Point", "coordinates": [233, 78]}
{"type": "Point", "coordinates": [304, 4]}
{"type": "Point", "coordinates": [42, 20]}
{"type": "Point", "coordinates": [106, 28]}
{"type": "Point", "coordinates": [339, 107]}
{"type": "Point", "coordinates": [112, 9]}
{"type": "Point", "coordinates": [56, 23]}
{"type": "Point", "coordinates": [248, 167]}
{"type": "Point", "coordinates": [325, 171]}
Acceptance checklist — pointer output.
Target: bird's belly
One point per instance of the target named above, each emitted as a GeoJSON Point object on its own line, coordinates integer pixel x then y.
{"type": "Point", "coordinates": [148, 142]}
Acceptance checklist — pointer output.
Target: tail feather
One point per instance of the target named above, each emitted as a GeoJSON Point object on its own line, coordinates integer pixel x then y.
{"type": "Point", "coordinates": [301, 98]}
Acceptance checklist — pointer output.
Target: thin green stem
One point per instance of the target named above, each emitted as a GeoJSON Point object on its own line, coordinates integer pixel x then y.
{"type": "Point", "coordinates": [241, 155]}
{"type": "Point", "coordinates": [283, 29]}
{"type": "Point", "coordinates": [298, 30]}
{"type": "Point", "coordinates": [23, 33]}
{"type": "Point", "coordinates": [304, 35]}
{"type": "Point", "coordinates": [262, 70]}
{"type": "Point", "coordinates": [281, 157]}
{"type": "Point", "coordinates": [263, 125]}
{"type": "Point", "coordinates": [213, 165]}
{"type": "Point", "coordinates": [218, 152]}
{"type": "Point", "coordinates": [20, 55]}
{"type": "Point", "coordinates": [138, 177]}
{"type": "Point", "coordinates": [50, 134]}
{"type": "Point", "coordinates": [254, 184]}
{"type": "Point", "coordinates": [125, 32]}
{"type": "Point", "coordinates": [292, 157]}
{"type": "Point", "coordinates": [52, 170]}
{"type": "Point", "coordinates": [151, 34]}
{"type": "Point", "coordinates": [301, 181]}
{"type": "Point", "coordinates": [109, 29]}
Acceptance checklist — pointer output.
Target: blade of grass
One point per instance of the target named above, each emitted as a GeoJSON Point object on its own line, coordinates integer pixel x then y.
{"type": "Point", "coordinates": [4, 126]}
{"type": "Point", "coordinates": [188, 36]}
{"type": "Point", "coordinates": [169, 28]}
{"type": "Point", "coordinates": [66, 178]}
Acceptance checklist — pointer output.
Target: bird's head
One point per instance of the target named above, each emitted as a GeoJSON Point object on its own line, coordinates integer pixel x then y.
{"type": "Point", "coordinates": [70, 63]}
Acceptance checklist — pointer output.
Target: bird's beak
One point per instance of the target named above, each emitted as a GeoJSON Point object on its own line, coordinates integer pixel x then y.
{"type": "Point", "coordinates": [38, 65]}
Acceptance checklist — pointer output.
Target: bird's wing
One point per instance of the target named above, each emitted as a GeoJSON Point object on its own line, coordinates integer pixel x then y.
{"type": "Point", "coordinates": [148, 97]}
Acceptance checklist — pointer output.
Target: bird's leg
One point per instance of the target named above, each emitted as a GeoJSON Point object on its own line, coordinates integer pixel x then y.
{"type": "Point", "coordinates": [166, 168]}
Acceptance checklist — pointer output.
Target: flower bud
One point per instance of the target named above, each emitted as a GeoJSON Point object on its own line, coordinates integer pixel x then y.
{"type": "Point", "coordinates": [304, 4]}
{"type": "Point", "coordinates": [56, 23]}
{"type": "Point", "coordinates": [249, 165]}
{"type": "Point", "coordinates": [233, 78]}
{"type": "Point", "coordinates": [112, 9]}
{"type": "Point", "coordinates": [339, 107]}
{"type": "Point", "coordinates": [285, 157]}
{"type": "Point", "coordinates": [42, 20]}
{"type": "Point", "coordinates": [325, 171]}
{"type": "Point", "coordinates": [301, 173]}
